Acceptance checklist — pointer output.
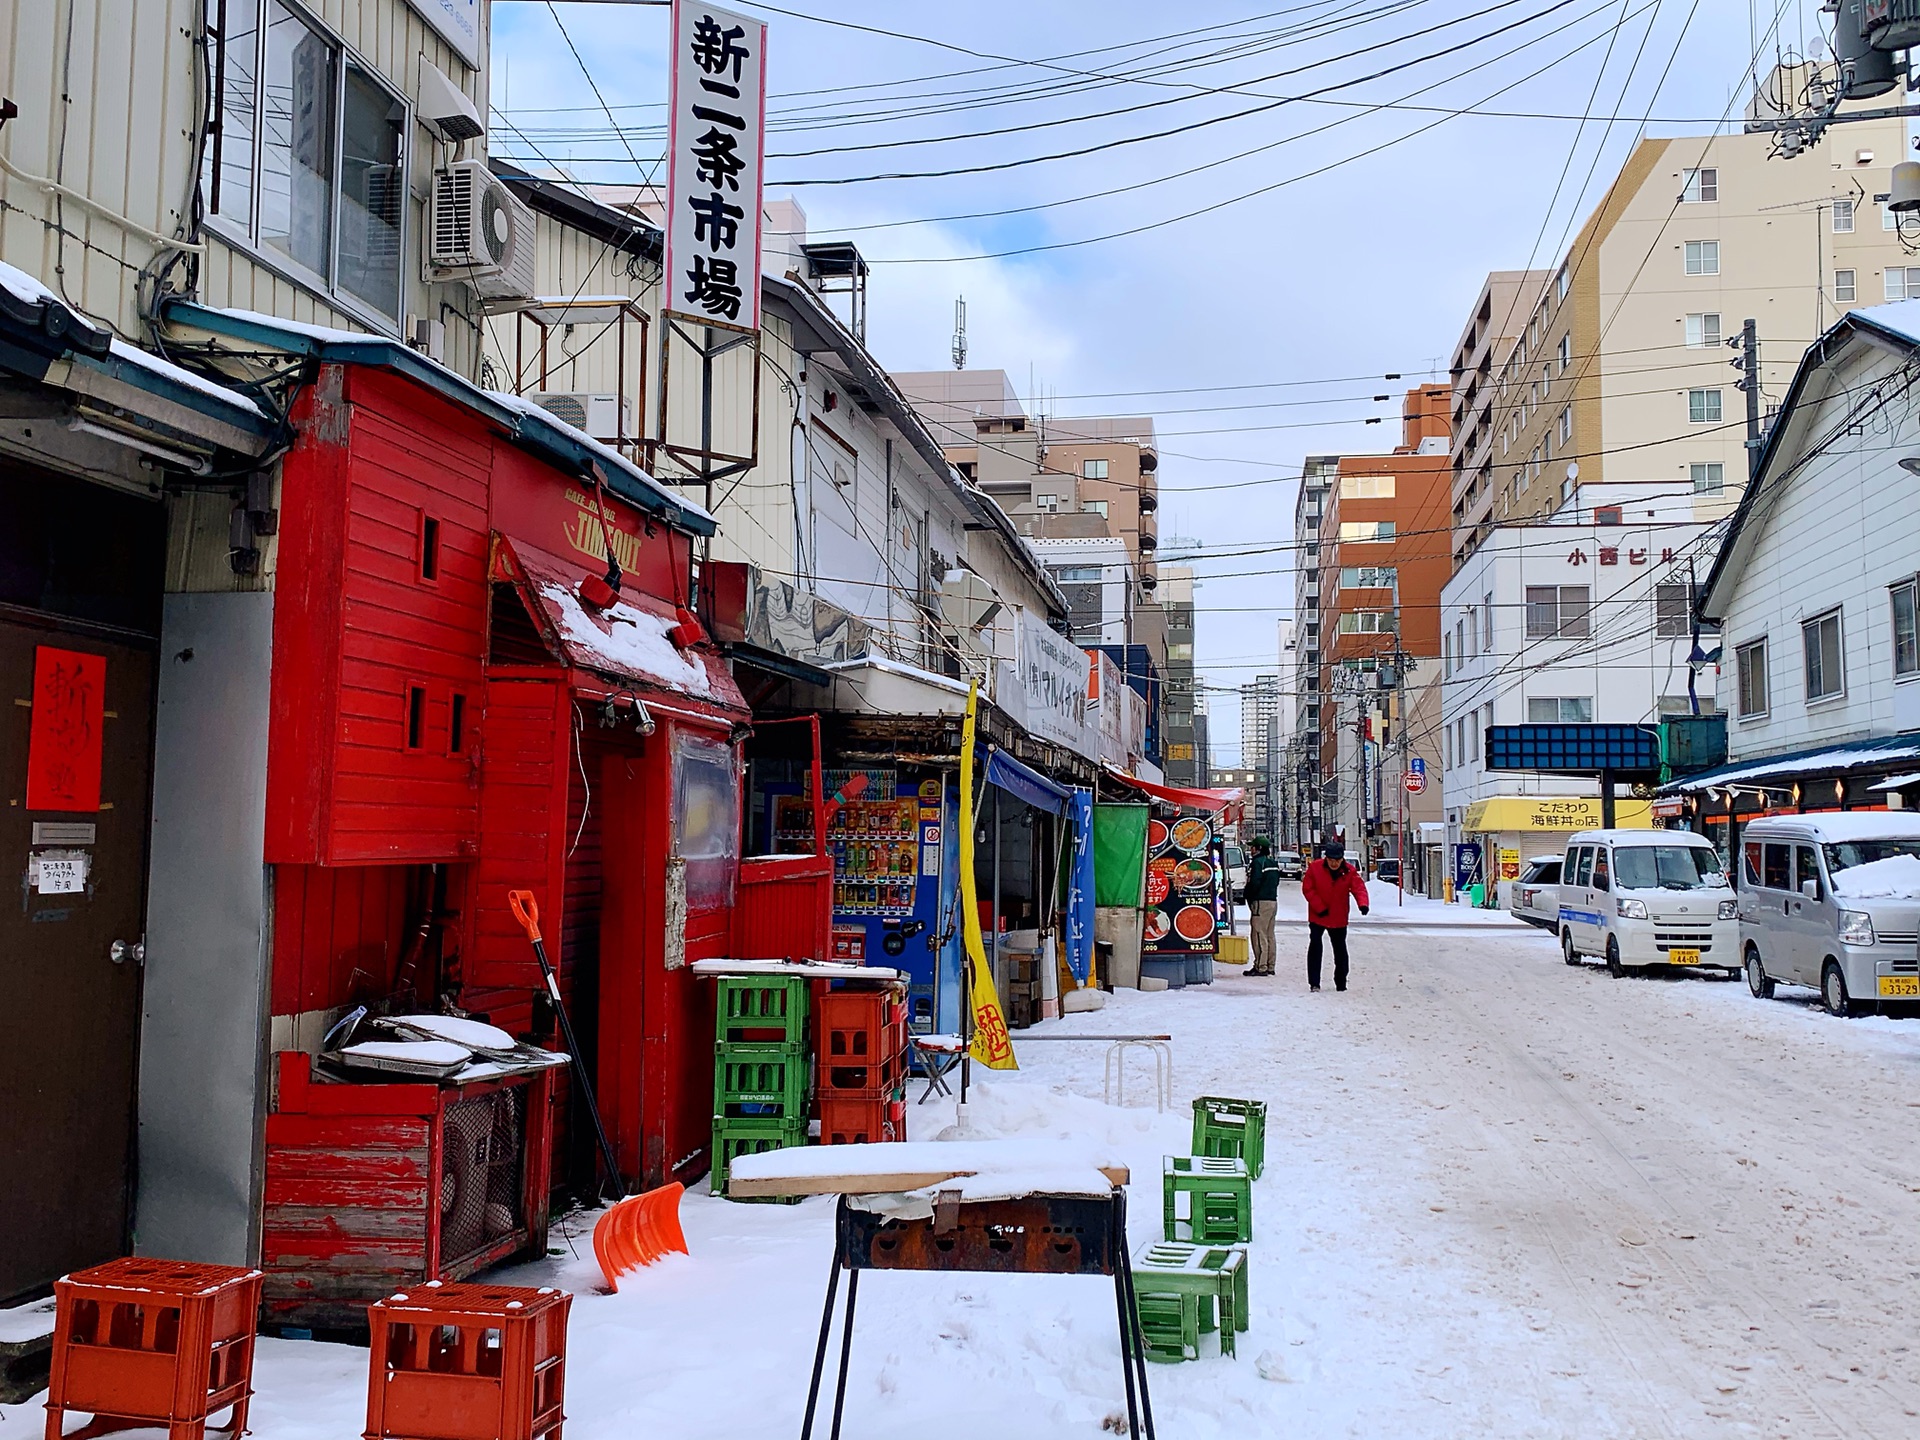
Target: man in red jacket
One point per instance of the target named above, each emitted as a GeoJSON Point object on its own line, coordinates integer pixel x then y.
{"type": "Point", "coordinates": [1327, 886]}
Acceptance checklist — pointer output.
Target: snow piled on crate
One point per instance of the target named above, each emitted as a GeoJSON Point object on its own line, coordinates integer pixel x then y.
{"type": "Point", "coordinates": [633, 642]}
{"type": "Point", "coordinates": [927, 1157]}
{"type": "Point", "coordinates": [1895, 878]}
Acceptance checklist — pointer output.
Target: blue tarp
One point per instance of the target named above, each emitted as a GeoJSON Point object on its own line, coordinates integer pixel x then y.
{"type": "Point", "coordinates": [1077, 923]}
{"type": "Point", "coordinates": [1026, 783]}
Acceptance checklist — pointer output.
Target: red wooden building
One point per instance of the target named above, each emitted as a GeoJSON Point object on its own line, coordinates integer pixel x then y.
{"type": "Point", "coordinates": [460, 707]}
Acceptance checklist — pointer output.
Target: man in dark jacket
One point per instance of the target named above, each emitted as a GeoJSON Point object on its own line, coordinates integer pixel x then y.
{"type": "Point", "coordinates": [1263, 898]}
{"type": "Point", "coordinates": [1328, 885]}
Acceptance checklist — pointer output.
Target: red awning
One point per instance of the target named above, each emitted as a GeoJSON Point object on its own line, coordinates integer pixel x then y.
{"type": "Point", "coordinates": [1210, 800]}
{"type": "Point", "coordinates": [628, 645]}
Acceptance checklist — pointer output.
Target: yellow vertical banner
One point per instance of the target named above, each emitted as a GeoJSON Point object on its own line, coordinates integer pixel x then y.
{"type": "Point", "coordinates": [992, 1045]}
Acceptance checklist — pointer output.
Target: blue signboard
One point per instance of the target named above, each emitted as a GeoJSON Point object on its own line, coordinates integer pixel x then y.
{"type": "Point", "coordinates": [1626, 750]}
{"type": "Point", "coordinates": [1417, 765]}
{"type": "Point", "coordinates": [1466, 864]}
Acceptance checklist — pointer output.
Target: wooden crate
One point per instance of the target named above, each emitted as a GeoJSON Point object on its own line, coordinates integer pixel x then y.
{"type": "Point", "coordinates": [357, 1176]}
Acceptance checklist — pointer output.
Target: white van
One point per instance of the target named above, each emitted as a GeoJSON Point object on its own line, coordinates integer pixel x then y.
{"type": "Point", "coordinates": [1832, 901]}
{"type": "Point", "coordinates": [1647, 897]}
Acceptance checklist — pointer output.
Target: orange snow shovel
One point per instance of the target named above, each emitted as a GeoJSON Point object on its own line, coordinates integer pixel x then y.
{"type": "Point", "coordinates": [524, 909]}
{"type": "Point", "coordinates": [638, 1231]}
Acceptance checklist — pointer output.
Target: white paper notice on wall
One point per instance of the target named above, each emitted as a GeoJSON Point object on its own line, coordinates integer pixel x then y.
{"type": "Point", "coordinates": [58, 872]}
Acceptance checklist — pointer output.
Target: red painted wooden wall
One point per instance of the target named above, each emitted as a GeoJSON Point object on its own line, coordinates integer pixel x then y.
{"type": "Point", "coordinates": [379, 627]}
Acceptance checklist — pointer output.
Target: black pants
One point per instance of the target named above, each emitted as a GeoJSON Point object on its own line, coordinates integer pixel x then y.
{"type": "Point", "coordinates": [1337, 934]}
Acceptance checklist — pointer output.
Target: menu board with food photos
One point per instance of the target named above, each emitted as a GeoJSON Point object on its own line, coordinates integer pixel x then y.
{"type": "Point", "coordinates": [1183, 888]}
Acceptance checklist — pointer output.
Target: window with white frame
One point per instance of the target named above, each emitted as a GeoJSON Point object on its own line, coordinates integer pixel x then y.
{"type": "Point", "coordinates": [1565, 353]}
{"type": "Point", "coordinates": [1046, 502]}
{"type": "Point", "coordinates": [1750, 665]}
{"type": "Point", "coordinates": [1905, 599]}
{"type": "Point", "coordinates": [1473, 631]}
{"type": "Point", "coordinates": [1843, 216]}
{"type": "Point", "coordinates": [1843, 286]}
{"type": "Point", "coordinates": [1703, 407]}
{"type": "Point", "coordinates": [1473, 737]}
{"type": "Point", "coordinates": [1366, 487]}
{"type": "Point", "coordinates": [1889, 218]}
{"type": "Point", "coordinates": [1565, 430]}
{"type": "Point", "coordinates": [1557, 611]}
{"type": "Point", "coordinates": [1698, 186]}
{"type": "Point", "coordinates": [1368, 577]}
{"type": "Point", "coordinates": [1093, 469]}
{"type": "Point", "coordinates": [308, 164]}
{"type": "Point", "coordinates": [1901, 282]}
{"type": "Point", "coordinates": [1486, 717]}
{"type": "Point", "coordinates": [1559, 710]}
{"type": "Point", "coordinates": [1094, 507]}
{"type": "Point", "coordinates": [1560, 284]}
{"type": "Point", "coordinates": [1446, 741]}
{"type": "Point", "coordinates": [1366, 622]}
{"type": "Point", "coordinates": [1702, 257]}
{"type": "Point", "coordinates": [1709, 477]}
{"type": "Point", "coordinates": [1364, 530]}
{"type": "Point", "coordinates": [1672, 611]}
{"type": "Point", "coordinates": [1488, 635]}
{"type": "Point", "coordinates": [1825, 665]}
{"type": "Point", "coordinates": [1703, 330]}
{"type": "Point", "coordinates": [1446, 654]}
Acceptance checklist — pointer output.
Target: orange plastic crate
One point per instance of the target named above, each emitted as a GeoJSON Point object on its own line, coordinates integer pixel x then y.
{"type": "Point", "coordinates": [143, 1343]}
{"type": "Point", "coordinates": [862, 1120]}
{"type": "Point", "coordinates": [467, 1362]}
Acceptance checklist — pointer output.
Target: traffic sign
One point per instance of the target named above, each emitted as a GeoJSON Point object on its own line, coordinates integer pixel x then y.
{"type": "Point", "coordinates": [1415, 781]}
{"type": "Point", "coordinates": [1417, 764]}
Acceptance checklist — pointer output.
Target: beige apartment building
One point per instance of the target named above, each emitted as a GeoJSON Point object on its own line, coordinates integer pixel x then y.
{"type": "Point", "coordinates": [1612, 367]}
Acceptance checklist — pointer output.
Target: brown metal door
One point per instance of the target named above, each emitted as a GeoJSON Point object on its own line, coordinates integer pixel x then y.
{"type": "Point", "coordinates": [72, 1009]}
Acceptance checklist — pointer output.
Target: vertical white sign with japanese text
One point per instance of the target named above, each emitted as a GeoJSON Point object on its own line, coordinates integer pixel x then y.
{"type": "Point", "coordinates": [716, 147]}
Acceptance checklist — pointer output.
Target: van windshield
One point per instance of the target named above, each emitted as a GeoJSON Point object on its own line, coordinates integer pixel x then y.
{"type": "Point", "coordinates": [1850, 853]}
{"type": "Point", "coordinates": [1667, 867]}
{"type": "Point", "coordinates": [1235, 855]}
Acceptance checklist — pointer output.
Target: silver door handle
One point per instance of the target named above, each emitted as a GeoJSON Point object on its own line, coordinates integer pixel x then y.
{"type": "Point", "coordinates": [120, 952]}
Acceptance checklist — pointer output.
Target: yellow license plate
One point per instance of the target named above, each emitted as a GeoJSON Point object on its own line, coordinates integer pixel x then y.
{"type": "Point", "coordinates": [1900, 987]}
{"type": "Point", "coordinates": [1684, 957]}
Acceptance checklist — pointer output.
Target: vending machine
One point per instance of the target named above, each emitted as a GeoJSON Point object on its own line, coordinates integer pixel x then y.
{"type": "Point", "coordinates": [895, 862]}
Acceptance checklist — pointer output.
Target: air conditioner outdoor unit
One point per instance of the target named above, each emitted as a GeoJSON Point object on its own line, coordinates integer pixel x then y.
{"type": "Point", "coordinates": [604, 417]}
{"type": "Point", "coordinates": [480, 232]}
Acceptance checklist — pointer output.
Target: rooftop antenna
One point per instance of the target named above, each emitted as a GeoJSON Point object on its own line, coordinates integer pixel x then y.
{"type": "Point", "coordinates": [960, 333]}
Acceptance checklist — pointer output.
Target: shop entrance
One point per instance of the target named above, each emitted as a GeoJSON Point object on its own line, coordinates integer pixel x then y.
{"type": "Point", "coordinates": [80, 573]}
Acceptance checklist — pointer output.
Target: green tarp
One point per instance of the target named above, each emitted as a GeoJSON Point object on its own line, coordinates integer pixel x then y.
{"type": "Point", "coordinates": [1119, 854]}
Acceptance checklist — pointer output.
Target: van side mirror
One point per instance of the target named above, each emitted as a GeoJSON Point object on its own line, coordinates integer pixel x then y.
{"type": "Point", "coordinates": [1810, 889]}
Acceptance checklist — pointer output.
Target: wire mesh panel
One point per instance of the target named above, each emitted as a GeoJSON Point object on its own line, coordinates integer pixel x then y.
{"type": "Point", "coordinates": [482, 1189]}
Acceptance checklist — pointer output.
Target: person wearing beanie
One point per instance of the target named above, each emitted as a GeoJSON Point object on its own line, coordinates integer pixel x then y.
{"type": "Point", "coordinates": [1329, 885]}
{"type": "Point", "coordinates": [1263, 899]}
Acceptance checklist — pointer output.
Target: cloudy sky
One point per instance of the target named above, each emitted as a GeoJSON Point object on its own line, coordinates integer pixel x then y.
{"type": "Point", "coordinates": [1322, 217]}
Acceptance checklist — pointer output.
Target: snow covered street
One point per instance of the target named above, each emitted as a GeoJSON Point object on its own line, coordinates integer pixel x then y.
{"type": "Point", "coordinates": [1503, 1199]}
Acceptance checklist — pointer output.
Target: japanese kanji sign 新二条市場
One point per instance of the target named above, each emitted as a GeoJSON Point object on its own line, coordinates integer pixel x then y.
{"type": "Point", "coordinates": [716, 148]}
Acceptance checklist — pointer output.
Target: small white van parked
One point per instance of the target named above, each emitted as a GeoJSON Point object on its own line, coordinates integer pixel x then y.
{"type": "Point", "coordinates": [1832, 901]}
{"type": "Point", "coordinates": [1639, 898]}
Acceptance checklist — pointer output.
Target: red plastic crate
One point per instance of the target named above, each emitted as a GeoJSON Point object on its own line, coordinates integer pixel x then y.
{"type": "Point", "coordinates": [153, 1343]}
{"type": "Point", "coordinates": [467, 1362]}
{"type": "Point", "coordinates": [861, 1119]}
{"type": "Point", "coordinates": [861, 1041]}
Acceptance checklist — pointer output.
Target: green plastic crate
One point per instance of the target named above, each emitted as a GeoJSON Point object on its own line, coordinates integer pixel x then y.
{"type": "Point", "coordinates": [1215, 1276]}
{"type": "Point", "coordinates": [1230, 1129]}
{"type": "Point", "coordinates": [760, 1082]}
{"type": "Point", "coordinates": [1219, 1198]}
{"type": "Point", "coordinates": [762, 1010]}
{"type": "Point", "coordinates": [734, 1138]}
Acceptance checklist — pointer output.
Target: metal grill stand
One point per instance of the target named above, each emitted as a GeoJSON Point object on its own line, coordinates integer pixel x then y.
{"type": "Point", "coordinates": [1032, 1235]}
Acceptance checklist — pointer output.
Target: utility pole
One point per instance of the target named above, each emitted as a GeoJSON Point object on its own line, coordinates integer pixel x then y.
{"type": "Point", "coordinates": [1749, 366]}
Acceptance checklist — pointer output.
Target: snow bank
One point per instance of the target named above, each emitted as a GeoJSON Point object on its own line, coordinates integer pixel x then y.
{"type": "Point", "coordinates": [1895, 878]}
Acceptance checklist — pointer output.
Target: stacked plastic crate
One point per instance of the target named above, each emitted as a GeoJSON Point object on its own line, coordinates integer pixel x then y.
{"type": "Point", "coordinates": [862, 1048]}
{"type": "Point", "coordinates": [762, 1079]}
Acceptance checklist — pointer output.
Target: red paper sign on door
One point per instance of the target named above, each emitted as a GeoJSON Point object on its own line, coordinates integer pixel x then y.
{"type": "Point", "coordinates": [63, 751]}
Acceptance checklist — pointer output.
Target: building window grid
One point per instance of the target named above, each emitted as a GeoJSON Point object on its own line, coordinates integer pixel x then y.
{"type": "Point", "coordinates": [1704, 407]}
{"type": "Point", "coordinates": [1700, 186]}
{"type": "Point", "coordinates": [1557, 612]}
{"type": "Point", "coordinates": [1825, 657]}
{"type": "Point", "coordinates": [1709, 477]}
{"type": "Point", "coordinates": [1843, 216]}
{"type": "Point", "coordinates": [1702, 257]}
{"type": "Point", "coordinates": [1843, 288]}
{"type": "Point", "coordinates": [1703, 330]}
{"type": "Point", "coordinates": [1672, 611]}
{"type": "Point", "coordinates": [1904, 600]}
{"type": "Point", "coordinates": [1901, 282]}
{"type": "Point", "coordinates": [1750, 666]}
